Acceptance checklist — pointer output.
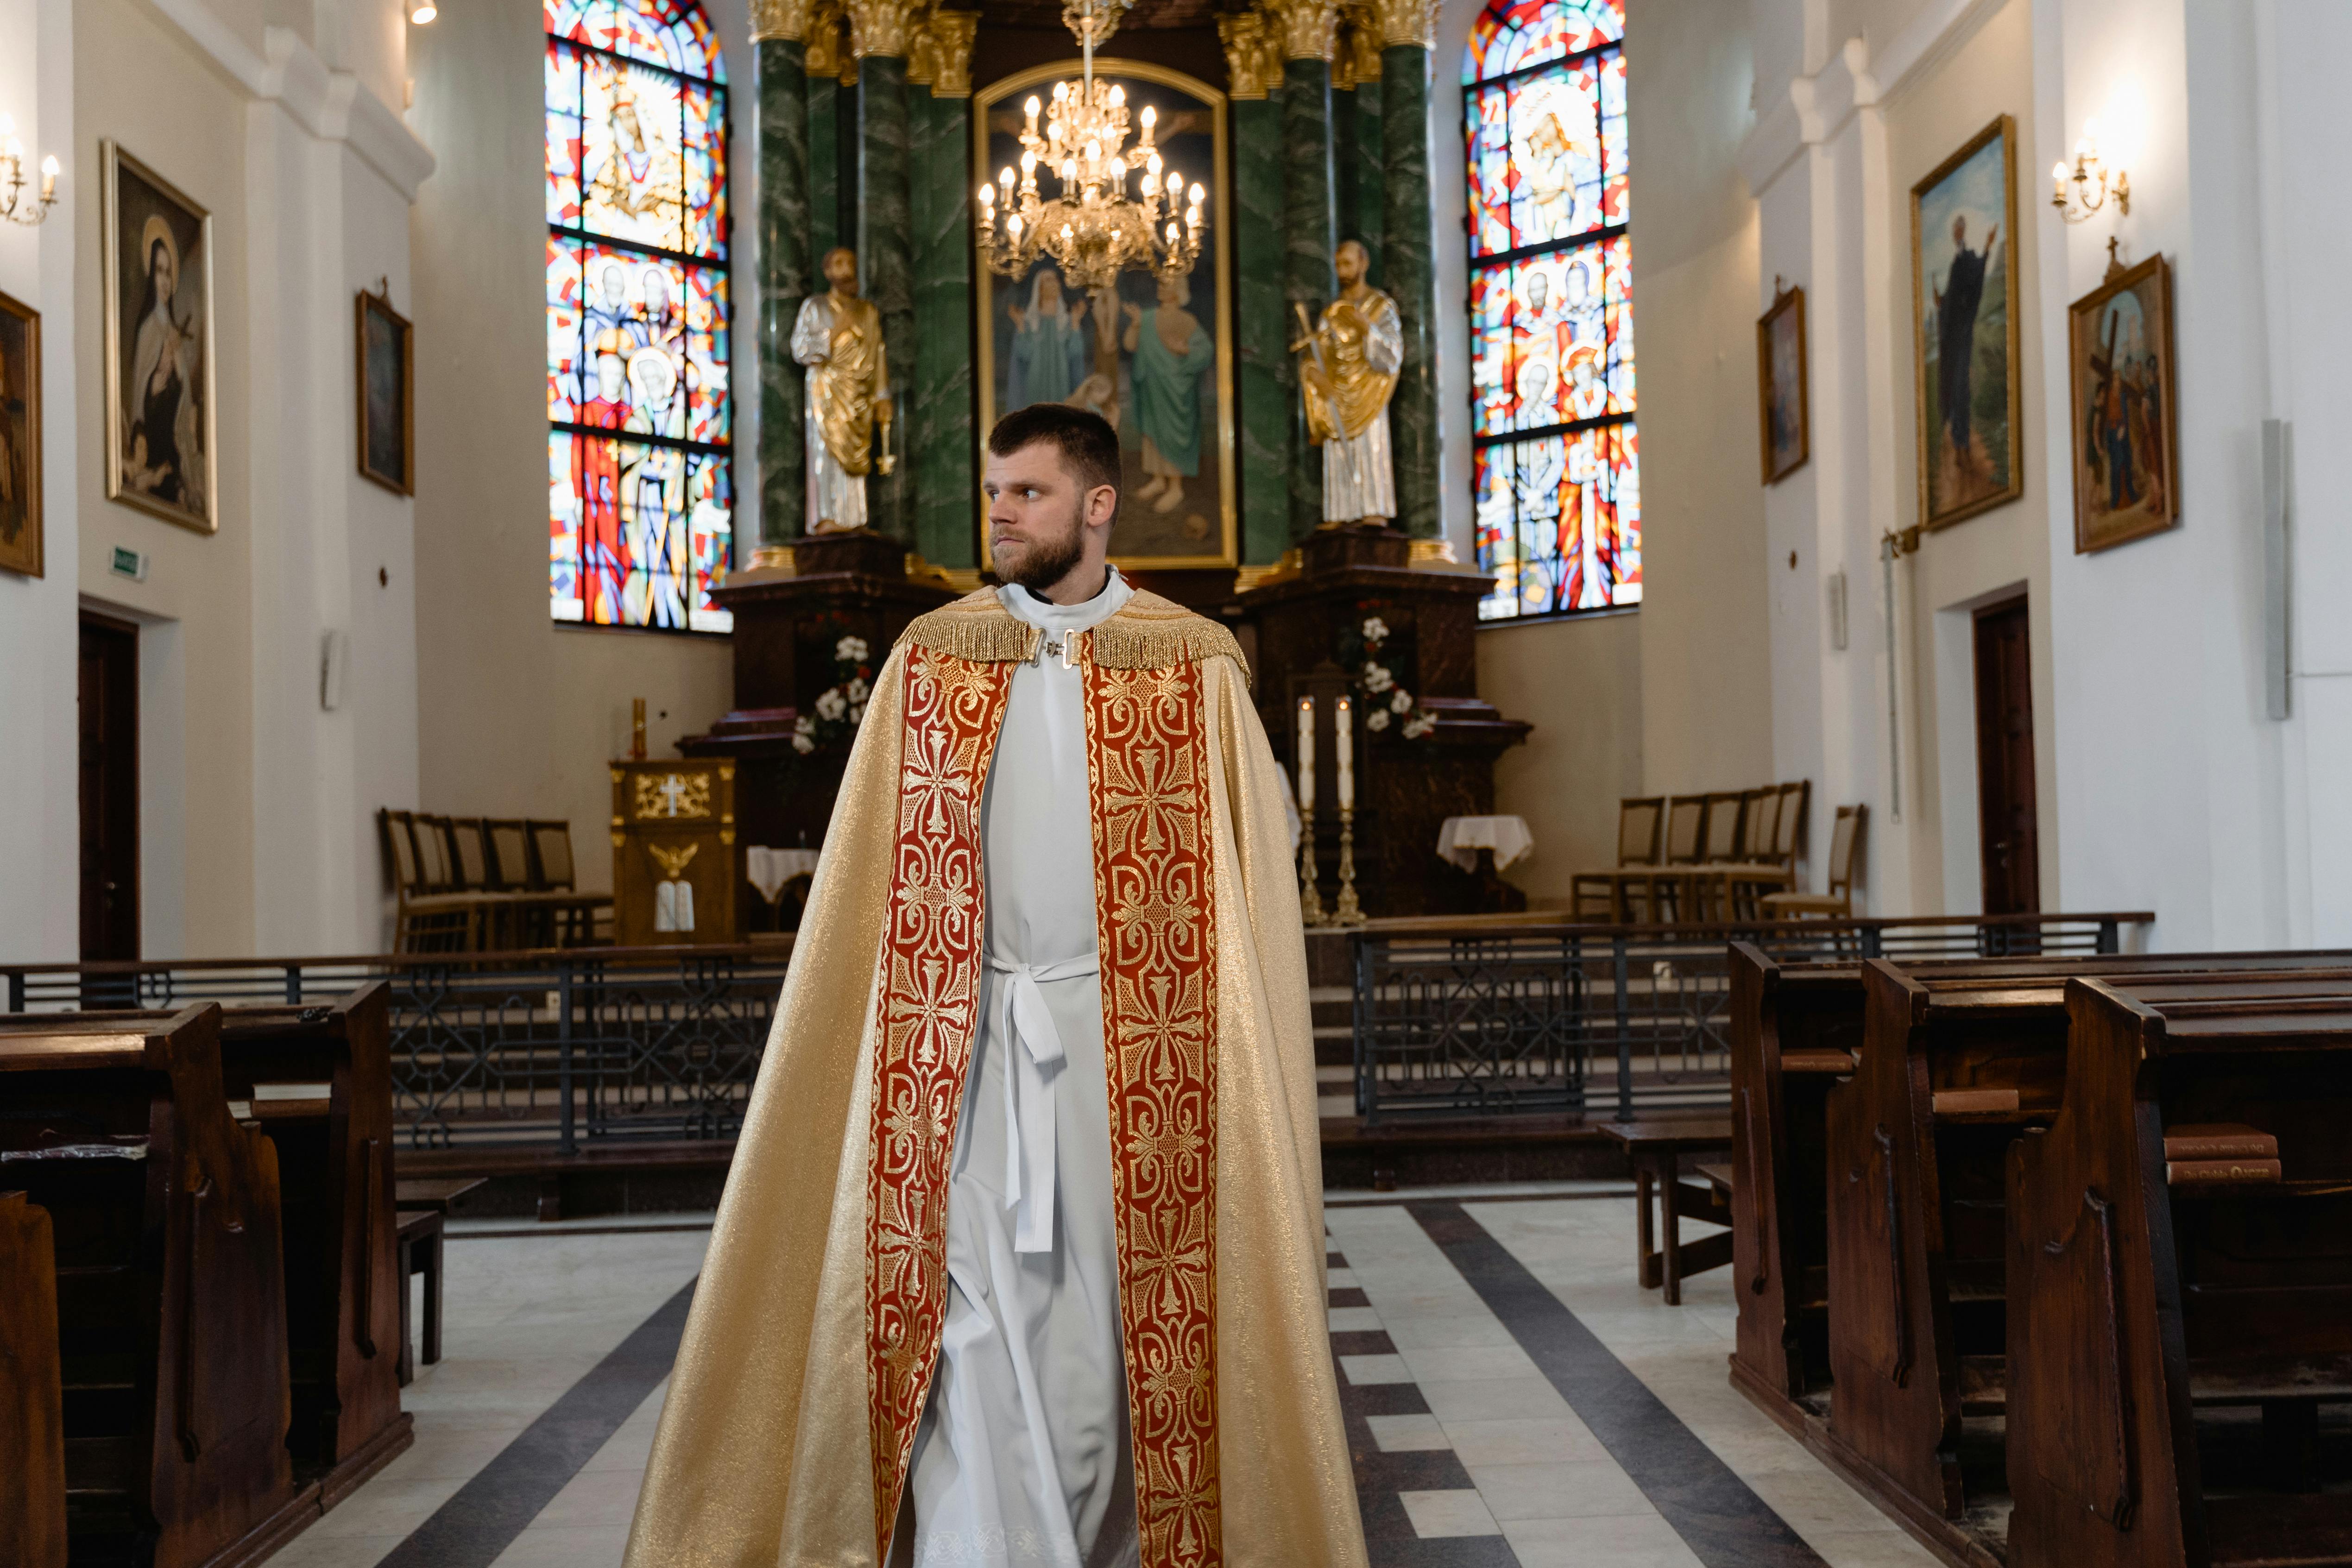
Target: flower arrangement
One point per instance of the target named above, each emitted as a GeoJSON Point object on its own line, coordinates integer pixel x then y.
{"type": "Point", "coordinates": [1382, 667]}
{"type": "Point", "coordinates": [840, 707]}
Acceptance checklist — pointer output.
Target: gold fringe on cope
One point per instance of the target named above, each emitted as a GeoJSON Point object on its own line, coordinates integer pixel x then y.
{"type": "Point", "coordinates": [1148, 632]}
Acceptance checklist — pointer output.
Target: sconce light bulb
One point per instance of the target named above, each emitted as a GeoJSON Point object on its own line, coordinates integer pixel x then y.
{"type": "Point", "coordinates": [7, 125]}
{"type": "Point", "coordinates": [424, 11]}
{"type": "Point", "coordinates": [1151, 117]}
{"type": "Point", "coordinates": [49, 167]}
{"type": "Point", "coordinates": [1197, 195]}
{"type": "Point", "coordinates": [2058, 171]}
{"type": "Point", "coordinates": [1117, 97]}
{"type": "Point", "coordinates": [12, 150]}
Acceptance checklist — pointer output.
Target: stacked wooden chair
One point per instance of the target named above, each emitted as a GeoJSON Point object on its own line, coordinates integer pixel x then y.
{"type": "Point", "coordinates": [1697, 859]}
{"type": "Point", "coordinates": [470, 885]}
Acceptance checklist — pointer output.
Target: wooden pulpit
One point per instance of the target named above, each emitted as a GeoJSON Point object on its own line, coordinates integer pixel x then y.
{"type": "Point", "coordinates": [675, 859]}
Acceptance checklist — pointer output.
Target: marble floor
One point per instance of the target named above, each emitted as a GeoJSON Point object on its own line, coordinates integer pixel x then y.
{"type": "Point", "coordinates": [1511, 1394]}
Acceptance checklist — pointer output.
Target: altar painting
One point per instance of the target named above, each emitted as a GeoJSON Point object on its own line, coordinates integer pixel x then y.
{"type": "Point", "coordinates": [1153, 357]}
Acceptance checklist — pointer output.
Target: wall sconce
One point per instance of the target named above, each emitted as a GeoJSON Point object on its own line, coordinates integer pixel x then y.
{"type": "Point", "coordinates": [2088, 171]}
{"type": "Point", "coordinates": [12, 180]}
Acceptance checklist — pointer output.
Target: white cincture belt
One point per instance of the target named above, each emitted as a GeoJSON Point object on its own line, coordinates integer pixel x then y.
{"type": "Point", "coordinates": [1033, 1045]}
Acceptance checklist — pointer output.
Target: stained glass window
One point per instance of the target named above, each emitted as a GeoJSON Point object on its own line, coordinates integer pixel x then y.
{"type": "Point", "coordinates": [1551, 308]}
{"type": "Point", "coordinates": [641, 495]}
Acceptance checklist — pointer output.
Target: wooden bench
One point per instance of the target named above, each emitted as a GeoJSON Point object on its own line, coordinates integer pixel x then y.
{"type": "Point", "coordinates": [32, 1425]}
{"type": "Point", "coordinates": [2173, 1341]}
{"type": "Point", "coordinates": [1957, 1064]}
{"type": "Point", "coordinates": [171, 1289]}
{"type": "Point", "coordinates": [317, 1080]}
{"type": "Point", "coordinates": [419, 1250]}
{"type": "Point", "coordinates": [1655, 1150]}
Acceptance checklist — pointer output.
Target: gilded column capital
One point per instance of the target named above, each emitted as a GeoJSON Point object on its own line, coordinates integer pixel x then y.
{"type": "Point", "coordinates": [1253, 54]}
{"type": "Point", "coordinates": [1407, 22]}
{"type": "Point", "coordinates": [882, 26]}
{"type": "Point", "coordinates": [825, 26]}
{"type": "Point", "coordinates": [951, 34]}
{"type": "Point", "coordinates": [1305, 29]}
{"type": "Point", "coordinates": [780, 19]}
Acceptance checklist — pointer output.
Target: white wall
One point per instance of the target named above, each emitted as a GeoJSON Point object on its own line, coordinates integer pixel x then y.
{"type": "Point", "coordinates": [39, 810]}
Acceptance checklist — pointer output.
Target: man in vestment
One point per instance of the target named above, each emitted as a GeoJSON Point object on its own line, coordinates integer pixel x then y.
{"type": "Point", "coordinates": [839, 338]}
{"type": "Point", "coordinates": [1347, 377]}
{"type": "Point", "coordinates": [1020, 1258]}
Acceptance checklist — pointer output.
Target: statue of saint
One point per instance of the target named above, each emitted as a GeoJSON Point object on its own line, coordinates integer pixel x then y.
{"type": "Point", "coordinates": [839, 338]}
{"type": "Point", "coordinates": [1171, 350]}
{"type": "Point", "coordinates": [1349, 373]}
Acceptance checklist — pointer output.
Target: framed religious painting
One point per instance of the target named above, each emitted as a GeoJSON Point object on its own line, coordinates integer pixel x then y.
{"type": "Point", "coordinates": [156, 246]}
{"type": "Point", "coordinates": [1964, 329]}
{"type": "Point", "coordinates": [20, 438]}
{"type": "Point", "coordinates": [1153, 355]}
{"type": "Point", "coordinates": [2126, 434]}
{"type": "Point", "coordinates": [386, 351]}
{"type": "Point", "coordinates": [1781, 392]}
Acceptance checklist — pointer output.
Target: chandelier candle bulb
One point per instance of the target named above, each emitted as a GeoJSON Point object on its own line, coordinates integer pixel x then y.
{"type": "Point", "coordinates": [1344, 742]}
{"type": "Point", "coordinates": [48, 179]}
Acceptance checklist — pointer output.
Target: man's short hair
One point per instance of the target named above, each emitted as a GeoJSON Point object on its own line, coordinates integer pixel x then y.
{"type": "Point", "coordinates": [1088, 446]}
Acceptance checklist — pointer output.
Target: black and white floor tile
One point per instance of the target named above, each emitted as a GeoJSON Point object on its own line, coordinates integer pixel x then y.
{"type": "Point", "coordinates": [1512, 1396]}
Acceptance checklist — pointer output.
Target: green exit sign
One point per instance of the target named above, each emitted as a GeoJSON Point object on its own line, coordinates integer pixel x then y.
{"type": "Point", "coordinates": [130, 564]}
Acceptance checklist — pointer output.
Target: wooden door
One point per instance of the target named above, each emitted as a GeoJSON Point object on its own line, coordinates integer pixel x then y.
{"type": "Point", "coordinates": [110, 788]}
{"type": "Point", "coordinates": [2012, 884]}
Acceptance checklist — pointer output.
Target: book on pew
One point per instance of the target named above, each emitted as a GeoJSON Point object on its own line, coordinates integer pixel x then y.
{"type": "Point", "coordinates": [1973, 1102]}
{"type": "Point", "coordinates": [2218, 1141]}
{"type": "Point", "coordinates": [2181, 1172]}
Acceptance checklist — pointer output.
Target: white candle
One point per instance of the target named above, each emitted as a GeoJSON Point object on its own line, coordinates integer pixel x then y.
{"type": "Point", "coordinates": [1344, 724]}
{"type": "Point", "coordinates": [1305, 754]}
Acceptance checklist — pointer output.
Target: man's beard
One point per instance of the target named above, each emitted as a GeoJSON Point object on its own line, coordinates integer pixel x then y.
{"type": "Point", "coordinates": [1047, 561]}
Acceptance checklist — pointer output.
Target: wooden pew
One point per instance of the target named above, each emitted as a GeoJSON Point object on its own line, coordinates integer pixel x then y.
{"type": "Point", "coordinates": [317, 1080]}
{"type": "Point", "coordinates": [1957, 1064]}
{"type": "Point", "coordinates": [2173, 1341]}
{"type": "Point", "coordinates": [171, 1291]}
{"type": "Point", "coordinates": [32, 1431]}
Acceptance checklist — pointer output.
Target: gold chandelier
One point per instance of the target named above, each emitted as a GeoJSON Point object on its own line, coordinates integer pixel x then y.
{"type": "Point", "coordinates": [1093, 230]}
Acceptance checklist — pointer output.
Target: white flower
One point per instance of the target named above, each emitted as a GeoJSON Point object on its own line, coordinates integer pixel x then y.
{"type": "Point", "coordinates": [805, 726]}
{"type": "Point", "coordinates": [801, 743]}
{"type": "Point", "coordinates": [1402, 701]}
{"type": "Point", "coordinates": [850, 650]}
{"type": "Point", "coordinates": [831, 704]}
{"type": "Point", "coordinates": [1376, 630]}
{"type": "Point", "coordinates": [1377, 719]}
{"type": "Point", "coordinates": [1419, 726]}
{"type": "Point", "coordinates": [857, 691]}
{"type": "Point", "coordinates": [857, 713]}
{"type": "Point", "coordinates": [1376, 678]}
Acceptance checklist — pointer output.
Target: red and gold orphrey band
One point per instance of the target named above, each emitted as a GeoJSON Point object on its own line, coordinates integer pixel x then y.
{"type": "Point", "coordinates": [926, 1002]}
{"type": "Point", "coordinates": [1147, 744]}
{"type": "Point", "coordinates": [1148, 747]}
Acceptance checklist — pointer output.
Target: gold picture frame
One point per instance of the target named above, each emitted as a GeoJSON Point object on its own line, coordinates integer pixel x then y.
{"type": "Point", "coordinates": [385, 354]}
{"type": "Point", "coordinates": [159, 349]}
{"type": "Point", "coordinates": [2121, 443]}
{"type": "Point", "coordinates": [1783, 387]}
{"type": "Point", "coordinates": [20, 438]}
{"type": "Point", "coordinates": [994, 293]}
{"type": "Point", "coordinates": [1986, 467]}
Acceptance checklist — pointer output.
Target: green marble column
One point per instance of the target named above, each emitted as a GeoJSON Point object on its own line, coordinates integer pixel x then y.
{"type": "Point", "coordinates": [1365, 175]}
{"type": "Point", "coordinates": [1310, 233]}
{"type": "Point", "coordinates": [1409, 232]}
{"type": "Point", "coordinates": [782, 67]}
{"type": "Point", "coordinates": [825, 167]}
{"type": "Point", "coordinates": [1265, 388]}
{"type": "Point", "coordinates": [885, 261]}
{"type": "Point", "coordinates": [938, 402]}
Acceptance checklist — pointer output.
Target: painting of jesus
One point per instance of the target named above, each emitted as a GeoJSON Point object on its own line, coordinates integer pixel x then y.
{"type": "Point", "coordinates": [1965, 321]}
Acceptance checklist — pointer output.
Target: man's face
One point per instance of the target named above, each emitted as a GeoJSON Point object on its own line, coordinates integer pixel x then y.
{"type": "Point", "coordinates": [656, 294]}
{"type": "Point", "coordinates": [610, 375]}
{"type": "Point", "coordinates": [1538, 290]}
{"type": "Point", "coordinates": [1960, 233]}
{"type": "Point", "coordinates": [841, 271]}
{"type": "Point", "coordinates": [616, 287]}
{"type": "Point", "coordinates": [1037, 514]}
{"type": "Point", "coordinates": [1349, 263]}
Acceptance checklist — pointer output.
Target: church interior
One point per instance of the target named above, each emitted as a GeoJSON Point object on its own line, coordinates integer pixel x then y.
{"type": "Point", "coordinates": [465, 463]}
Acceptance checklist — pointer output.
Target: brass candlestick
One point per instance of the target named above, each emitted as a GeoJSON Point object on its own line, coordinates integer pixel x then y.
{"type": "Point", "coordinates": [1347, 911]}
{"type": "Point", "coordinates": [1310, 900]}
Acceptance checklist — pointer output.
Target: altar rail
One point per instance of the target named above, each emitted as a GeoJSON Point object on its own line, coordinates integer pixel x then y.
{"type": "Point", "coordinates": [559, 1049]}
{"type": "Point", "coordinates": [1499, 1016]}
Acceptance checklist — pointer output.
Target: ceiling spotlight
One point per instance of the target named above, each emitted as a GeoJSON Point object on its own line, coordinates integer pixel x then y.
{"type": "Point", "coordinates": [422, 12]}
